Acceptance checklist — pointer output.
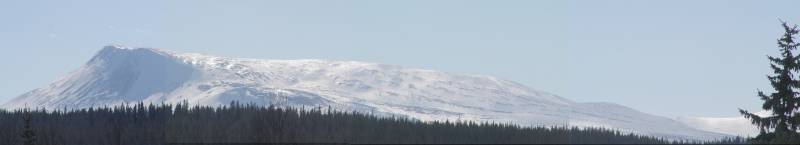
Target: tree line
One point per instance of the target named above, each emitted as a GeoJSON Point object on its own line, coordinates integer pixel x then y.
{"type": "Point", "coordinates": [141, 124]}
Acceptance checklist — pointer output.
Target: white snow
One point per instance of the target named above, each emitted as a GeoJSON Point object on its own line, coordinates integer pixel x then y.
{"type": "Point", "coordinates": [739, 125]}
{"type": "Point", "coordinates": [119, 74]}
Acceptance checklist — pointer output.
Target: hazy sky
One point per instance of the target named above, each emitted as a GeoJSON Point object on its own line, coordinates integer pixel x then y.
{"type": "Point", "coordinates": [671, 58]}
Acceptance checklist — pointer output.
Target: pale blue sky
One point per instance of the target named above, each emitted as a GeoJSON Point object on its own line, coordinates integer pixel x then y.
{"type": "Point", "coordinates": [671, 58]}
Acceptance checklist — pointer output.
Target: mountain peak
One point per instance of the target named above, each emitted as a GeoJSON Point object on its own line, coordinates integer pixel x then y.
{"type": "Point", "coordinates": [117, 52]}
{"type": "Point", "coordinates": [116, 46]}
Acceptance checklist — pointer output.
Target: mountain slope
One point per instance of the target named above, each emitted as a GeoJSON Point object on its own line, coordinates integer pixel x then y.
{"type": "Point", "coordinates": [738, 125]}
{"type": "Point", "coordinates": [119, 74]}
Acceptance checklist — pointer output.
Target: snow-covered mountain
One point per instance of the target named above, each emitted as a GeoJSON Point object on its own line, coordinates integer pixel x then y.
{"type": "Point", "coordinates": [119, 74]}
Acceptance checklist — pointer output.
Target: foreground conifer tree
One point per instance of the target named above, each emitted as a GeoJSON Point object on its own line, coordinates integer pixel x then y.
{"type": "Point", "coordinates": [780, 127]}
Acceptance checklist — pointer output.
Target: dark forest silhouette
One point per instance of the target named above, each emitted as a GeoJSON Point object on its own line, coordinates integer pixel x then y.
{"type": "Point", "coordinates": [141, 124]}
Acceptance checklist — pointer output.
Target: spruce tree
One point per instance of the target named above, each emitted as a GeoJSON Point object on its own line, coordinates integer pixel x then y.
{"type": "Point", "coordinates": [28, 136]}
{"type": "Point", "coordinates": [781, 125]}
